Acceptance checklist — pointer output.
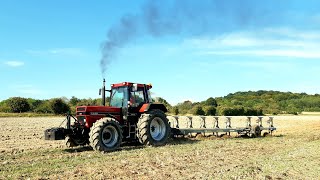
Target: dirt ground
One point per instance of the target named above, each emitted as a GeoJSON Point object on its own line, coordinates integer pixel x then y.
{"type": "Point", "coordinates": [292, 152]}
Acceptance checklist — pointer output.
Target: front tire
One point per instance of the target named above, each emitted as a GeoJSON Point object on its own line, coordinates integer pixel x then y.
{"type": "Point", "coordinates": [153, 128]}
{"type": "Point", "coordinates": [105, 135]}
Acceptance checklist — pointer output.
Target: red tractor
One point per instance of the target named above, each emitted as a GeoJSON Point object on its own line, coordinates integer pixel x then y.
{"type": "Point", "coordinates": [130, 116]}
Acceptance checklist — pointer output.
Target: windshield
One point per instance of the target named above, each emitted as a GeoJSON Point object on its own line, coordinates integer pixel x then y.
{"type": "Point", "coordinates": [119, 97]}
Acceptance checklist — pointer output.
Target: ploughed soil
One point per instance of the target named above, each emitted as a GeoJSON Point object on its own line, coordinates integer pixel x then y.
{"type": "Point", "coordinates": [292, 152]}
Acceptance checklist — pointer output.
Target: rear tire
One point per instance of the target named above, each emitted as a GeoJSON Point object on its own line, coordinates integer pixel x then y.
{"type": "Point", "coordinates": [105, 135]}
{"type": "Point", "coordinates": [153, 128]}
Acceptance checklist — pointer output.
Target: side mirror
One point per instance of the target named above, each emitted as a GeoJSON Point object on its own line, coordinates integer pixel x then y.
{"type": "Point", "coordinates": [99, 91]}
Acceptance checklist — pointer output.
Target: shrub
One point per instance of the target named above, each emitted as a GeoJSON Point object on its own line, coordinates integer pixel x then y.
{"type": "Point", "coordinates": [74, 101]}
{"type": "Point", "coordinates": [174, 110]}
{"type": "Point", "coordinates": [58, 106]}
{"type": "Point", "coordinates": [18, 104]}
{"type": "Point", "coordinates": [253, 112]}
{"type": "Point", "coordinates": [4, 107]}
{"type": "Point", "coordinates": [234, 111]}
{"type": "Point", "coordinates": [210, 110]}
{"type": "Point", "coordinates": [211, 102]}
{"type": "Point", "coordinates": [44, 107]}
{"type": "Point", "coordinates": [197, 110]}
{"type": "Point", "coordinates": [34, 103]}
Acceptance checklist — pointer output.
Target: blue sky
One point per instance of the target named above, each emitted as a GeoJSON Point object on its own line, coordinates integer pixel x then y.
{"type": "Point", "coordinates": [188, 50]}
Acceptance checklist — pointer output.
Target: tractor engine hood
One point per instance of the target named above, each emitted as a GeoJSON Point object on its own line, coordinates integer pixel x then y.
{"type": "Point", "coordinates": [93, 113]}
{"type": "Point", "coordinates": [97, 110]}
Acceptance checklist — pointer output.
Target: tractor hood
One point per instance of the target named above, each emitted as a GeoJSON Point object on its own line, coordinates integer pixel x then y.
{"type": "Point", "coordinates": [93, 113]}
{"type": "Point", "coordinates": [97, 110]}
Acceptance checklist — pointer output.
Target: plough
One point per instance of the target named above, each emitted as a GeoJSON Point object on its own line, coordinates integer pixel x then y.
{"type": "Point", "coordinates": [189, 128]}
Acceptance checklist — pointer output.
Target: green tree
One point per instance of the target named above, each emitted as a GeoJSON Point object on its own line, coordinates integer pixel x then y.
{"type": "Point", "coordinates": [58, 106]}
{"type": "Point", "coordinates": [211, 102]}
{"type": "Point", "coordinates": [4, 106]}
{"type": "Point", "coordinates": [176, 110]}
{"type": "Point", "coordinates": [34, 104]}
{"type": "Point", "coordinates": [74, 101]}
{"type": "Point", "coordinates": [184, 107]}
{"type": "Point", "coordinates": [197, 110]}
{"type": "Point", "coordinates": [164, 102]}
{"type": "Point", "coordinates": [44, 107]}
{"type": "Point", "coordinates": [18, 104]}
{"type": "Point", "coordinates": [210, 110]}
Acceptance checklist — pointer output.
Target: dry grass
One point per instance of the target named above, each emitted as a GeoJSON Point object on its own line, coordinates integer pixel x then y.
{"type": "Point", "coordinates": [293, 152]}
{"type": "Point", "coordinates": [26, 114]}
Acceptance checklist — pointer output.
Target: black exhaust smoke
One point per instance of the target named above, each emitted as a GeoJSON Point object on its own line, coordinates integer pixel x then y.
{"type": "Point", "coordinates": [188, 17]}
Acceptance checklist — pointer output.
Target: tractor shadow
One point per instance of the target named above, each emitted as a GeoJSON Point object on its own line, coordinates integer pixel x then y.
{"type": "Point", "coordinates": [129, 146]}
{"type": "Point", "coordinates": [78, 149]}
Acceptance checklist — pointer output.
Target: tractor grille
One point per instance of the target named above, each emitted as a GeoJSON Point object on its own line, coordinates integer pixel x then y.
{"type": "Point", "coordinates": [81, 109]}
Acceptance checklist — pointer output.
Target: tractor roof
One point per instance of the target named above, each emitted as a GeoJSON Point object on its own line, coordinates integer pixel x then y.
{"type": "Point", "coordinates": [149, 86]}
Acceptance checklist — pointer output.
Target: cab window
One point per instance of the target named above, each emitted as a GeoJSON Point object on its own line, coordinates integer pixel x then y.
{"type": "Point", "coordinates": [119, 97]}
{"type": "Point", "coordinates": [137, 97]}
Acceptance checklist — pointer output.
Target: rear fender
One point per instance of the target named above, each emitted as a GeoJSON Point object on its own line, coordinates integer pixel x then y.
{"type": "Point", "coordinates": [150, 106]}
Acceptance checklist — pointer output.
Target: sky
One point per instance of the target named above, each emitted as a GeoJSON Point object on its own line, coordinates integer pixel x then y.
{"type": "Point", "coordinates": [188, 50]}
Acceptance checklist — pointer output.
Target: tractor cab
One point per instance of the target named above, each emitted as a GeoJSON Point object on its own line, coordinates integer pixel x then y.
{"type": "Point", "coordinates": [130, 97]}
{"type": "Point", "coordinates": [127, 102]}
{"type": "Point", "coordinates": [128, 94]}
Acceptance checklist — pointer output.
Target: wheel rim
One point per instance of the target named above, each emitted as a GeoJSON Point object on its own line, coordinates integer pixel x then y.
{"type": "Point", "coordinates": [157, 129]}
{"type": "Point", "coordinates": [110, 136]}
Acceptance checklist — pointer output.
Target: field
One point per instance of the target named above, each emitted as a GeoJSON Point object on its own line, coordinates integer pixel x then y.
{"type": "Point", "coordinates": [292, 153]}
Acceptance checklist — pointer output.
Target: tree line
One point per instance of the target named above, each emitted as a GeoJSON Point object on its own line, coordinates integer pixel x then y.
{"type": "Point", "coordinates": [250, 103]}
{"type": "Point", "coordinates": [47, 106]}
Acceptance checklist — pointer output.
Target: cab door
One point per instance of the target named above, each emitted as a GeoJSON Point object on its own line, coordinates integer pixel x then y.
{"type": "Point", "coordinates": [119, 98]}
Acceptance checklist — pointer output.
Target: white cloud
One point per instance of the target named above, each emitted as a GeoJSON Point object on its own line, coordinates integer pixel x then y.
{"type": "Point", "coordinates": [281, 42]}
{"type": "Point", "coordinates": [278, 53]}
{"type": "Point", "coordinates": [14, 63]}
{"type": "Point", "coordinates": [57, 51]}
{"type": "Point", "coordinates": [259, 64]}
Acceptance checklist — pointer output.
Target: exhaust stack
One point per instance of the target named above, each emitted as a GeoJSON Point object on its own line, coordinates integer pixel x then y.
{"type": "Point", "coordinates": [103, 93]}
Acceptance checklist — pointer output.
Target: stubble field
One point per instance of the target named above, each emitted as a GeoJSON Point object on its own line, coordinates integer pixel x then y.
{"type": "Point", "coordinates": [291, 153]}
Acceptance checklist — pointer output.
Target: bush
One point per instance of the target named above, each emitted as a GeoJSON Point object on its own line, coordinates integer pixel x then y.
{"type": "Point", "coordinates": [234, 111]}
{"type": "Point", "coordinates": [34, 103]}
{"type": "Point", "coordinates": [58, 106]}
{"type": "Point", "coordinates": [197, 110]}
{"type": "Point", "coordinates": [18, 104]}
{"type": "Point", "coordinates": [4, 107]}
{"type": "Point", "coordinates": [210, 110]}
{"type": "Point", "coordinates": [74, 101]}
{"type": "Point", "coordinates": [44, 107]}
{"type": "Point", "coordinates": [211, 102]}
{"type": "Point", "coordinates": [253, 112]}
